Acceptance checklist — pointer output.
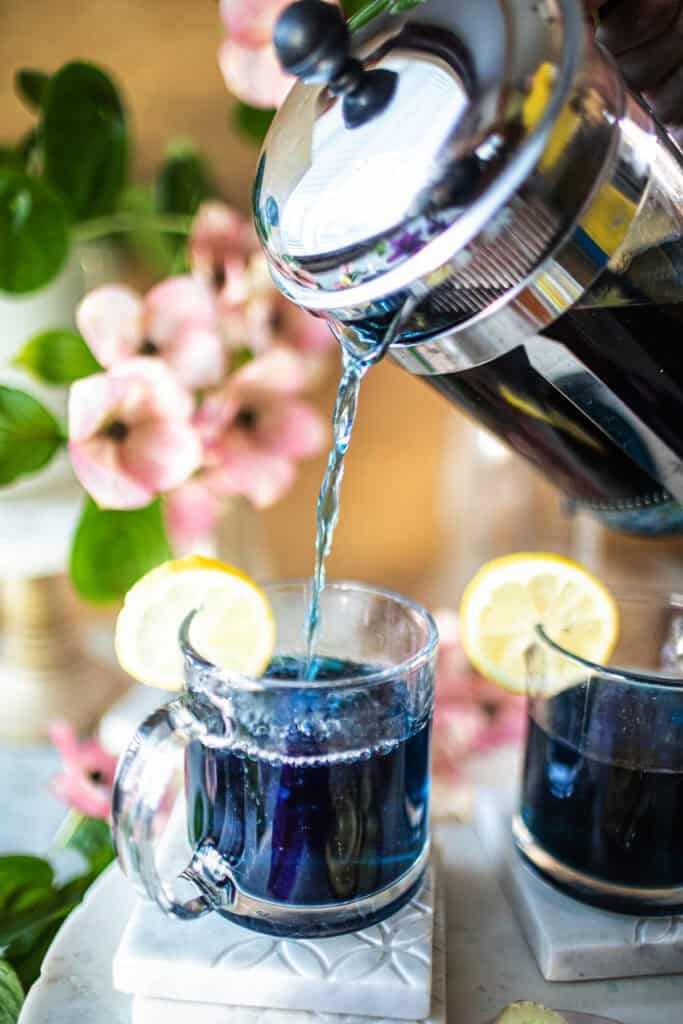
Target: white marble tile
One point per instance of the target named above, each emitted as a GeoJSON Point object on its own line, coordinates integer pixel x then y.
{"type": "Point", "coordinates": [570, 940]}
{"type": "Point", "coordinates": [385, 968]}
{"type": "Point", "coordinates": [74, 986]}
{"type": "Point", "coordinates": [168, 1011]}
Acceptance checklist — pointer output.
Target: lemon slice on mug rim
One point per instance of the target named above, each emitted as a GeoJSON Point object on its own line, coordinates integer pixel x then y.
{"type": "Point", "coordinates": [510, 596]}
{"type": "Point", "coordinates": [233, 627]}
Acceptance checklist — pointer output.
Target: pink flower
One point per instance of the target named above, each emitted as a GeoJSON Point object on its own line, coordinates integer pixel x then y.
{"type": "Point", "coordinates": [471, 714]}
{"type": "Point", "coordinates": [87, 776]}
{"type": "Point", "coordinates": [191, 512]}
{"type": "Point", "coordinates": [177, 322]}
{"type": "Point", "coordinates": [221, 241]}
{"type": "Point", "coordinates": [225, 255]}
{"type": "Point", "coordinates": [256, 427]}
{"type": "Point", "coordinates": [130, 433]}
{"type": "Point", "coordinates": [247, 58]}
{"type": "Point", "coordinates": [301, 330]}
{"type": "Point", "coordinates": [457, 732]}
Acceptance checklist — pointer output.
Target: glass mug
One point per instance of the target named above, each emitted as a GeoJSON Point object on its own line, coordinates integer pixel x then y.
{"type": "Point", "coordinates": [307, 801]}
{"type": "Point", "coordinates": [601, 810]}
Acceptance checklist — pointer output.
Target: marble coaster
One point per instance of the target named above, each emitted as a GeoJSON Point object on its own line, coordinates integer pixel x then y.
{"type": "Point", "coordinates": [168, 1011]}
{"type": "Point", "coordinates": [570, 940]}
{"type": "Point", "coordinates": [382, 971]}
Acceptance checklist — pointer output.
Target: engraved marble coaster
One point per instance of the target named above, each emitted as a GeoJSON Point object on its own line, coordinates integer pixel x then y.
{"type": "Point", "coordinates": [168, 1011]}
{"type": "Point", "coordinates": [570, 940]}
{"type": "Point", "coordinates": [382, 971]}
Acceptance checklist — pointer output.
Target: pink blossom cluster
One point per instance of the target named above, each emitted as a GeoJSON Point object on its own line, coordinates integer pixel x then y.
{"type": "Point", "coordinates": [471, 715]}
{"type": "Point", "coordinates": [202, 394]}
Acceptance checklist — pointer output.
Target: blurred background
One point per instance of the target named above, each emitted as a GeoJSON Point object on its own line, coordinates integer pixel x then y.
{"type": "Point", "coordinates": [426, 497]}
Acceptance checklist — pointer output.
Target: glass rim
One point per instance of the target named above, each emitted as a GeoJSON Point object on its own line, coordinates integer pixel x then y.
{"type": "Point", "coordinates": [642, 677]}
{"type": "Point", "coordinates": [237, 680]}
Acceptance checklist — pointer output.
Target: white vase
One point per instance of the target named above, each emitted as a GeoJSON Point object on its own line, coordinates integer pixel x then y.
{"type": "Point", "coordinates": [38, 514]}
{"type": "Point", "coordinates": [44, 672]}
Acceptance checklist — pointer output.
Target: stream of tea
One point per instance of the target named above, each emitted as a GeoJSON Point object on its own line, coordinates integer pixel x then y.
{"type": "Point", "coordinates": [357, 358]}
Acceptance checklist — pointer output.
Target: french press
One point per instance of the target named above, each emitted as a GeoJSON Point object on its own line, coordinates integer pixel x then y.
{"type": "Point", "coordinates": [474, 175]}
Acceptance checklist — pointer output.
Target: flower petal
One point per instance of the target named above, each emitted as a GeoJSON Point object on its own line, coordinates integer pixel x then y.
{"type": "Point", "coordinates": [150, 391]}
{"type": "Point", "coordinates": [508, 725]}
{"type": "Point", "coordinates": [94, 758]}
{"type": "Point", "coordinates": [279, 370]}
{"type": "Point", "coordinates": [191, 513]}
{"type": "Point", "coordinates": [262, 478]}
{"type": "Point", "coordinates": [92, 401]}
{"type": "Point", "coordinates": [176, 303]}
{"type": "Point", "coordinates": [97, 465]}
{"type": "Point", "coordinates": [250, 21]}
{"type": "Point", "coordinates": [253, 73]}
{"type": "Point", "coordinates": [160, 455]}
{"type": "Point", "coordinates": [197, 357]}
{"type": "Point", "coordinates": [110, 320]}
{"type": "Point", "coordinates": [291, 428]}
{"type": "Point", "coordinates": [78, 792]}
{"type": "Point", "coordinates": [62, 736]}
{"type": "Point", "coordinates": [219, 234]}
{"type": "Point", "coordinates": [304, 331]}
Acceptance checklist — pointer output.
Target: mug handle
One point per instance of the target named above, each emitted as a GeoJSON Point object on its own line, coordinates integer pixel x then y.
{"type": "Point", "coordinates": [142, 779]}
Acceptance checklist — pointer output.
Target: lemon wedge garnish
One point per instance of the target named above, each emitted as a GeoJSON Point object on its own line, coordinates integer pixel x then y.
{"type": "Point", "coordinates": [510, 596]}
{"type": "Point", "coordinates": [233, 627]}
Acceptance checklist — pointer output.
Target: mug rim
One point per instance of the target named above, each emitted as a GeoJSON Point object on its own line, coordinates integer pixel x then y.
{"type": "Point", "coordinates": [236, 680]}
{"type": "Point", "coordinates": [637, 677]}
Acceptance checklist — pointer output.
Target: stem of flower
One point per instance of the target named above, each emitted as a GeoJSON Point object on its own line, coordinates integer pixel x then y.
{"type": "Point", "coordinates": [119, 223]}
{"type": "Point", "coordinates": [67, 828]}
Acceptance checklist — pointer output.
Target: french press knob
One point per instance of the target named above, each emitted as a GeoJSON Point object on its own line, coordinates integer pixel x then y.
{"type": "Point", "coordinates": [313, 43]}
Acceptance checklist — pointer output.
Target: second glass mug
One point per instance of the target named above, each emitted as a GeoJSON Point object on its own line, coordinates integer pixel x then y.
{"type": "Point", "coordinates": [308, 802]}
{"type": "Point", "coordinates": [601, 809]}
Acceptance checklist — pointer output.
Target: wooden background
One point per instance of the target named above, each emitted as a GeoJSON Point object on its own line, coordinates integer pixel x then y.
{"type": "Point", "coordinates": [421, 505]}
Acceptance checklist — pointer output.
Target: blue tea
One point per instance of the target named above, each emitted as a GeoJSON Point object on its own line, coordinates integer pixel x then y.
{"type": "Point", "coordinates": [305, 827]}
{"type": "Point", "coordinates": [610, 815]}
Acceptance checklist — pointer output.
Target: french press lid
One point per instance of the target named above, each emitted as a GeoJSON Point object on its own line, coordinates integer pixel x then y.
{"type": "Point", "coordinates": [447, 161]}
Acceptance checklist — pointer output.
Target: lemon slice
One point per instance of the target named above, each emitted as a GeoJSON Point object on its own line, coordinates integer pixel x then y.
{"type": "Point", "coordinates": [510, 596]}
{"type": "Point", "coordinates": [233, 627]}
{"type": "Point", "coordinates": [529, 1013]}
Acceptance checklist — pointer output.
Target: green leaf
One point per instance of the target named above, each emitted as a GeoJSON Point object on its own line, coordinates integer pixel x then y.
{"type": "Point", "coordinates": [14, 924]}
{"type": "Point", "coordinates": [240, 357]}
{"type": "Point", "coordinates": [19, 873]}
{"type": "Point", "coordinates": [112, 549]}
{"type": "Point", "coordinates": [92, 838]}
{"type": "Point", "coordinates": [27, 953]}
{"type": "Point", "coordinates": [146, 239]}
{"type": "Point", "coordinates": [360, 12]}
{"type": "Point", "coordinates": [183, 181]}
{"type": "Point", "coordinates": [32, 908]}
{"type": "Point", "coordinates": [32, 153]}
{"type": "Point", "coordinates": [11, 157]}
{"type": "Point", "coordinates": [11, 994]}
{"type": "Point", "coordinates": [182, 184]}
{"type": "Point", "coordinates": [85, 139]}
{"type": "Point", "coordinates": [33, 232]}
{"type": "Point", "coordinates": [58, 356]}
{"type": "Point", "coordinates": [29, 435]}
{"type": "Point", "coordinates": [252, 121]}
{"type": "Point", "coordinates": [31, 85]}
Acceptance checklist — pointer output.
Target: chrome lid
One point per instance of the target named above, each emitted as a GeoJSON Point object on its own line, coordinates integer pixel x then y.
{"type": "Point", "coordinates": [350, 214]}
